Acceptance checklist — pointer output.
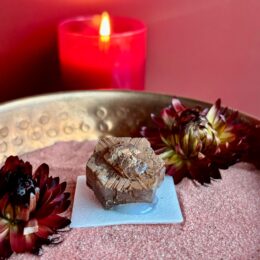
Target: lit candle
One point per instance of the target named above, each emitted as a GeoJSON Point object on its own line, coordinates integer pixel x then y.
{"type": "Point", "coordinates": [102, 52]}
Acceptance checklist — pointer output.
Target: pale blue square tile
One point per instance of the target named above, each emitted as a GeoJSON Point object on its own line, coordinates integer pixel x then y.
{"type": "Point", "coordinates": [88, 212]}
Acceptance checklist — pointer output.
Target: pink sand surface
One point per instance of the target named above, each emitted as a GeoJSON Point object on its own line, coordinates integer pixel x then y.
{"type": "Point", "coordinates": [221, 221]}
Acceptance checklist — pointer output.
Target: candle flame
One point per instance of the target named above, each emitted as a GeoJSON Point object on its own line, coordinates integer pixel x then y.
{"type": "Point", "coordinates": [104, 29]}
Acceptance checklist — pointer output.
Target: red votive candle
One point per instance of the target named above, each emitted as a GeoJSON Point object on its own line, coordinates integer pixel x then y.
{"type": "Point", "coordinates": [98, 52]}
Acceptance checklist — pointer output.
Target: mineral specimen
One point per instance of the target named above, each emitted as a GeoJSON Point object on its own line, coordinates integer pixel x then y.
{"type": "Point", "coordinates": [124, 170]}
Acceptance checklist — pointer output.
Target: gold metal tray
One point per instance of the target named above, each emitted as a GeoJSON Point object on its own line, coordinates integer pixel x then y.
{"type": "Point", "coordinates": [36, 122]}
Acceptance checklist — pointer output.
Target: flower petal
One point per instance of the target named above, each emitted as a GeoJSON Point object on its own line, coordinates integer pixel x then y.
{"type": "Point", "coordinates": [53, 182]}
{"type": "Point", "coordinates": [11, 163]}
{"type": "Point", "coordinates": [3, 203]}
{"type": "Point", "coordinates": [21, 242]}
{"type": "Point", "coordinates": [44, 232]}
{"type": "Point", "coordinates": [62, 207]}
{"type": "Point", "coordinates": [177, 173]}
{"type": "Point", "coordinates": [254, 146]}
{"type": "Point", "coordinates": [51, 193]}
{"type": "Point", "coordinates": [157, 120]}
{"type": "Point", "coordinates": [167, 118]}
{"type": "Point", "coordinates": [213, 112]}
{"type": "Point", "coordinates": [54, 222]}
{"type": "Point", "coordinates": [4, 228]}
{"type": "Point", "coordinates": [41, 175]}
{"type": "Point", "coordinates": [200, 172]}
{"type": "Point", "coordinates": [5, 248]}
{"type": "Point", "coordinates": [55, 206]}
{"type": "Point", "coordinates": [177, 105]}
{"type": "Point", "coordinates": [17, 239]}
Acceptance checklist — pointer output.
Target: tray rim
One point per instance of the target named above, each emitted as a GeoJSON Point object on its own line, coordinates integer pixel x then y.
{"type": "Point", "coordinates": [46, 97]}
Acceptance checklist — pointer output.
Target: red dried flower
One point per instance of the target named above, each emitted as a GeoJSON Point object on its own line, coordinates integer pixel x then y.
{"type": "Point", "coordinates": [30, 207]}
{"type": "Point", "coordinates": [196, 142]}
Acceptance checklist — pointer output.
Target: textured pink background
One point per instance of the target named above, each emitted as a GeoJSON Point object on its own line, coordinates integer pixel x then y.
{"type": "Point", "coordinates": [201, 49]}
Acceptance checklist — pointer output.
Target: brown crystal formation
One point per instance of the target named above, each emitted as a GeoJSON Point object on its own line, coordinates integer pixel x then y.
{"type": "Point", "coordinates": [124, 170]}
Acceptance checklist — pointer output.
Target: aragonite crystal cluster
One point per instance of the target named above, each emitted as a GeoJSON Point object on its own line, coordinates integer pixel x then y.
{"type": "Point", "coordinates": [124, 170]}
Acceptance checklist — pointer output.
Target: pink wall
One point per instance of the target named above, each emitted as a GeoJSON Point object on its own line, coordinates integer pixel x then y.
{"type": "Point", "coordinates": [201, 49]}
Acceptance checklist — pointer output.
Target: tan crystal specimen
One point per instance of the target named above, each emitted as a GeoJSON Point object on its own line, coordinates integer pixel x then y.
{"type": "Point", "coordinates": [124, 170]}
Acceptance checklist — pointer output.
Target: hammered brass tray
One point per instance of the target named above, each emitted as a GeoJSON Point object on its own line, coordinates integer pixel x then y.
{"type": "Point", "coordinates": [36, 122]}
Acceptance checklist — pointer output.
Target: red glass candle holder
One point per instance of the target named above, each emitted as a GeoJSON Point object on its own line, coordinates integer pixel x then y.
{"type": "Point", "coordinates": [88, 62]}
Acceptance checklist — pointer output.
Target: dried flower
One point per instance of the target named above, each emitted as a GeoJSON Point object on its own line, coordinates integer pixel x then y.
{"type": "Point", "coordinates": [196, 142]}
{"type": "Point", "coordinates": [30, 207]}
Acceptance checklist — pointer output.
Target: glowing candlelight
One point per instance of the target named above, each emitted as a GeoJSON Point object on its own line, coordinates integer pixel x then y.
{"type": "Point", "coordinates": [105, 28]}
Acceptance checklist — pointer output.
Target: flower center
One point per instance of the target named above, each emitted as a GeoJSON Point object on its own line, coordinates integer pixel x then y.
{"type": "Point", "coordinates": [20, 186]}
